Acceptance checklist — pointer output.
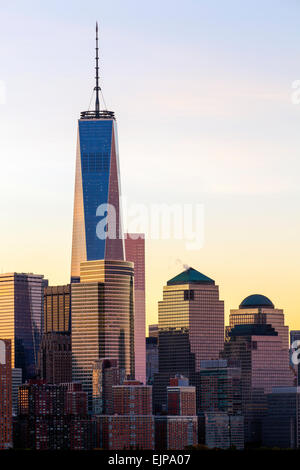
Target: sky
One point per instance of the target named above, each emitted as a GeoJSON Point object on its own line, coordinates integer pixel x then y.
{"type": "Point", "coordinates": [202, 92]}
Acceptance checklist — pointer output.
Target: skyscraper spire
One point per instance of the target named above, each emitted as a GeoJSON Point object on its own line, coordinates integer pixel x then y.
{"type": "Point", "coordinates": [97, 87]}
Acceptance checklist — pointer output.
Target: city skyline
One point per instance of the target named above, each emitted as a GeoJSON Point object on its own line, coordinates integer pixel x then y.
{"type": "Point", "coordinates": [239, 118]}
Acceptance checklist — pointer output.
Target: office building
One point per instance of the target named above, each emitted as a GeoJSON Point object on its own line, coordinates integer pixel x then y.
{"type": "Point", "coordinates": [281, 424]}
{"type": "Point", "coordinates": [5, 395]}
{"type": "Point", "coordinates": [258, 309]}
{"type": "Point", "coordinates": [55, 358]}
{"type": "Point", "coordinates": [57, 309]}
{"type": "Point", "coordinates": [264, 364]}
{"type": "Point", "coordinates": [97, 220]}
{"type": "Point", "coordinates": [135, 252]}
{"type": "Point", "coordinates": [102, 319]}
{"type": "Point", "coordinates": [105, 374]}
{"type": "Point", "coordinates": [151, 358]}
{"type": "Point", "coordinates": [21, 318]}
{"type": "Point", "coordinates": [191, 329]}
{"type": "Point", "coordinates": [223, 431]}
{"type": "Point", "coordinates": [220, 387]}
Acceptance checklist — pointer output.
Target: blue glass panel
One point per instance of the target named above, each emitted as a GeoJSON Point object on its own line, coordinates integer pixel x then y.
{"type": "Point", "coordinates": [95, 148]}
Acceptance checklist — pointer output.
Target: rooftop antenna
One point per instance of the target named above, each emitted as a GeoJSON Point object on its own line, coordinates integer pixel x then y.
{"type": "Point", "coordinates": [97, 87]}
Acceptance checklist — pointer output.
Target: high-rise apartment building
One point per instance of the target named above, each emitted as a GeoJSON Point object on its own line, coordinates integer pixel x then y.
{"type": "Point", "coordinates": [132, 424]}
{"type": "Point", "coordinates": [102, 319]}
{"type": "Point", "coordinates": [16, 378]}
{"type": "Point", "coordinates": [57, 309]}
{"type": "Point", "coordinates": [21, 318]}
{"type": "Point", "coordinates": [181, 397]}
{"type": "Point", "coordinates": [53, 417]}
{"type": "Point", "coordinates": [135, 252]}
{"type": "Point", "coordinates": [5, 395]}
{"type": "Point", "coordinates": [97, 221]}
{"type": "Point", "coordinates": [191, 328]}
{"type": "Point", "coordinates": [178, 428]}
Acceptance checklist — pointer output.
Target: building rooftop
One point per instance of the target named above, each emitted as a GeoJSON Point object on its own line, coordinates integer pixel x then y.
{"type": "Point", "coordinates": [256, 301]}
{"type": "Point", "coordinates": [190, 276]}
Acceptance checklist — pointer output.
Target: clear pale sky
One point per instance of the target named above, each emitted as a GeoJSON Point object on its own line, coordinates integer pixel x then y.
{"type": "Point", "coordinates": [202, 94]}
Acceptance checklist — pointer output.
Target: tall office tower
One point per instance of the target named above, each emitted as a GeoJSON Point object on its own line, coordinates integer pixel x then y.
{"type": "Point", "coordinates": [151, 358]}
{"type": "Point", "coordinates": [21, 318]}
{"type": "Point", "coordinates": [135, 252]}
{"type": "Point", "coordinates": [102, 319]}
{"type": "Point", "coordinates": [5, 395]}
{"type": "Point", "coordinates": [57, 309]}
{"type": "Point", "coordinates": [55, 358]}
{"type": "Point", "coordinates": [281, 426]}
{"type": "Point", "coordinates": [105, 374]}
{"type": "Point", "coordinates": [132, 424]}
{"type": "Point", "coordinates": [191, 328]}
{"type": "Point", "coordinates": [16, 378]}
{"type": "Point", "coordinates": [222, 431]}
{"type": "Point", "coordinates": [220, 387]}
{"type": "Point", "coordinates": [264, 364]}
{"type": "Point", "coordinates": [97, 230]}
{"type": "Point", "coordinates": [178, 428]}
{"type": "Point", "coordinates": [258, 309]}
{"type": "Point", "coordinates": [53, 417]}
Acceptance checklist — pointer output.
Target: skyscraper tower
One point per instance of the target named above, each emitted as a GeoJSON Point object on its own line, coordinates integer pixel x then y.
{"type": "Point", "coordinates": [97, 230]}
{"type": "Point", "coordinates": [191, 329]}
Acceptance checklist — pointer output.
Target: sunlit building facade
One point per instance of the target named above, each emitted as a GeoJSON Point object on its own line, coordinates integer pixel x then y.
{"type": "Point", "coordinates": [97, 230]}
{"type": "Point", "coordinates": [21, 318]}
{"type": "Point", "coordinates": [102, 318]}
{"type": "Point", "coordinates": [258, 309]}
{"type": "Point", "coordinates": [135, 252]}
{"type": "Point", "coordinates": [191, 328]}
{"type": "Point", "coordinates": [258, 349]}
{"type": "Point", "coordinates": [57, 311]}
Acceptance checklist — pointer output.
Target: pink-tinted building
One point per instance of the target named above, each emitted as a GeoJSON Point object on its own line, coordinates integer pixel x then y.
{"type": "Point", "coordinates": [135, 252]}
{"type": "Point", "coordinates": [191, 329]}
{"type": "Point", "coordinates": [5, 395]}
{"type": "Point", "coordinates": [264, 365]}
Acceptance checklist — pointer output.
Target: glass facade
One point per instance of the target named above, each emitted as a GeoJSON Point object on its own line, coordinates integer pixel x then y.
{"type": "Point", "coordinates": [96, 183]}
{"type": "Point", "coordinates": [21, 318]}
{"type": "Point", "coordinates": [102, 318]}
{"type": "Point", "coordinates": [57, 309]}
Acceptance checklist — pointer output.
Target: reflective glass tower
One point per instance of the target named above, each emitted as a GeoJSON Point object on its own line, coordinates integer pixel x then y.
{"type": "Point", "coordinates": [97, 223]}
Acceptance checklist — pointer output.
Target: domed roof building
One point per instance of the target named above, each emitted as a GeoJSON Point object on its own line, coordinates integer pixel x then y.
{"type": "Point", "coordinates": [256, 301]}
{"type": "Point", "coordinates": [257, 309]}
